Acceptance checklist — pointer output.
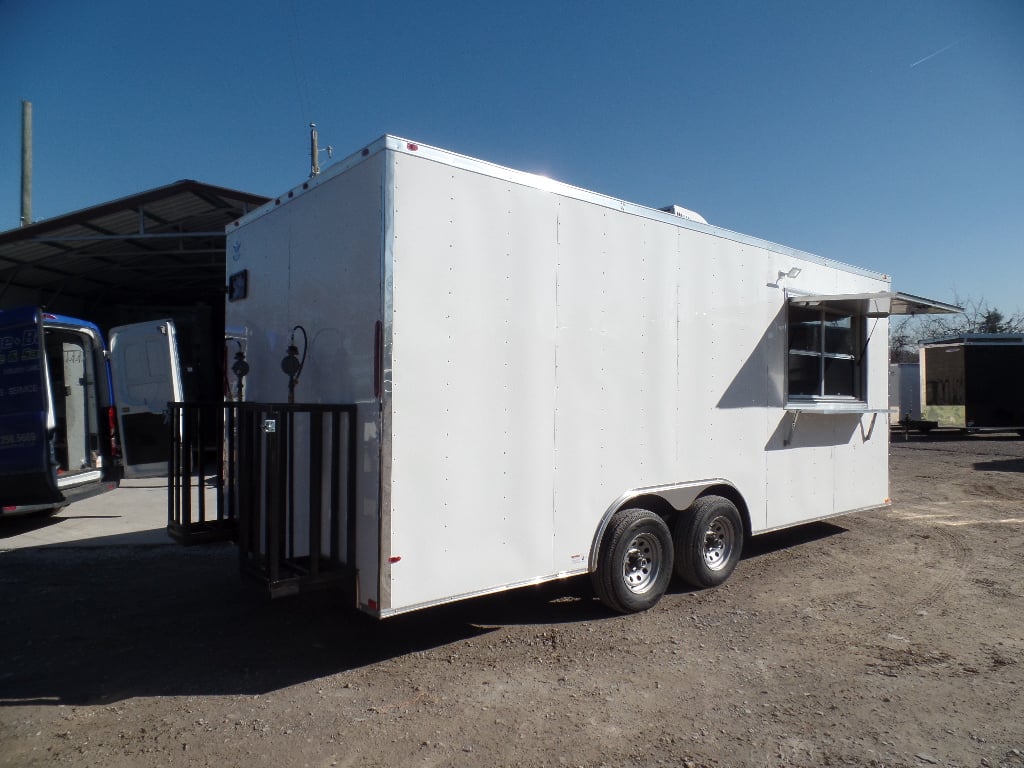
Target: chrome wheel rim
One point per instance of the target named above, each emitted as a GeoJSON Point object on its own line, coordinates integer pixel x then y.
{"type": "Point", "coordinates": [642, 563]}
{"type": "Point", "coordinates": [719, 543]}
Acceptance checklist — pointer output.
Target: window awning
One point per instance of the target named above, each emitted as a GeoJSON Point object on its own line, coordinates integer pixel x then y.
{"type": "Point", "coordinates": [880, 304]}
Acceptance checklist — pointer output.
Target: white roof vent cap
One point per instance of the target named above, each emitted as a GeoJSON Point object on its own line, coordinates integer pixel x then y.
{"type": "Point", "coordinates": [684, 213]}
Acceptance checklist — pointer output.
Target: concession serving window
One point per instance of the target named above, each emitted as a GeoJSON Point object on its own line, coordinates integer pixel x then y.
{"type": "Point", "coordinates": [827, 341]}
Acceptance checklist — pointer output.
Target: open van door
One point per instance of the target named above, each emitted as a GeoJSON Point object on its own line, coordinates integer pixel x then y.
{"type": "Point", "coordinates": [147, 376]}
{"type": "Point", "coordinates": [28, 473]}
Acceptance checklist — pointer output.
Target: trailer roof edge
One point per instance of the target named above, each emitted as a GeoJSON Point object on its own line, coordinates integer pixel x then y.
{"type": "Point", "coordinates": [400, 145]}
{"type": "Point", "coordinates": [1010, 339]}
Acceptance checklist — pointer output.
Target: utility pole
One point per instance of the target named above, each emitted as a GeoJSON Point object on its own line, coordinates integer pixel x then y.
{"type": "Point", "coordinates": [26, 163]}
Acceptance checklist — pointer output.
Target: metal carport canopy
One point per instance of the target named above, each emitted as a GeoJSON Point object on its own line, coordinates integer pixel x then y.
{"type": "Point", "coordinates": [879, 304]}
{"type": "Point", "coordinates": [165, 245]}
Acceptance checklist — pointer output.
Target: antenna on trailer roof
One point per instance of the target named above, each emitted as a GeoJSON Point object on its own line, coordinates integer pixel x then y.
{"type": "Point", "coordinates": [314, 152]}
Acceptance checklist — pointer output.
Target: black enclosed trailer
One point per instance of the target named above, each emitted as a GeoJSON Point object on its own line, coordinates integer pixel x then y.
{"type": "Point", "coordinates": [973, 382]}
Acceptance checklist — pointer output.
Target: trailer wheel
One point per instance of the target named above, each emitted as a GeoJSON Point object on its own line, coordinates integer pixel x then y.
{"type": "Point", "coordinates": [634, 561]}
{"type": "Point", "coordinates": [708, 541]}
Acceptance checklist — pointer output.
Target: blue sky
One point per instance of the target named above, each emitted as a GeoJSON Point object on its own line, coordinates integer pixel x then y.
{"type": "Point", "coordinates": [889, 135]}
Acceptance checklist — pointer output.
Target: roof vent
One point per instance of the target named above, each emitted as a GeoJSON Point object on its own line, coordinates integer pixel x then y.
{"type": "Point", "coordinates": [684, 213]}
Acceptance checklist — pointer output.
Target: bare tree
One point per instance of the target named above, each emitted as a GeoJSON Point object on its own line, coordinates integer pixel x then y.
{"type": "Point", "coordinates": [978, 317]}
{"type": "Point", "coordinates": [902, 340]}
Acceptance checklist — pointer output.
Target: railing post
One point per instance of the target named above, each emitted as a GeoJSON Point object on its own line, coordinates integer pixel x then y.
{"type": "Point", "coordinates": [350, 483]}
{"type": "Point", "coordinates": [200, 465]}
{"type": "Point", "coordinates": [335, 511]}
{"type": "Point", "coordinates": [247, 456]}
{"type": "Point", "coordinates": [225, 473]}
{"type": "Point", "coordinates": [273, 494]}
{"type": "Point", "coordinates": [172, 469]}
{"type": "Point", "coordinates": [316, 460]}
{"type": "Point", "coordinates": [185, 476]}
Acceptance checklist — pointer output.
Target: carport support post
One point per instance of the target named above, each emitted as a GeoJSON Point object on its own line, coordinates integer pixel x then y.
{"type": "Point", "coordinates": [26, 163]}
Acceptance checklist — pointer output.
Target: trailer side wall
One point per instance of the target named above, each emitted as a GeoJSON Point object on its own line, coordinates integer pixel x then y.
{"type": "Point", "coordinates": [551, 354]}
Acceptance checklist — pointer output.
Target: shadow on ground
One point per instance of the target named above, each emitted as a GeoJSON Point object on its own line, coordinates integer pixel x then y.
{"type": "Point", "coordinates": [81, 625]}
{"type": "Point", "coordinates": [15, 526]}
{"type": "Point", "coordinates": [98, 625]}
{"type": "Point", "coordinates": [790, 537]}
{"type": "Point", "coordinates": [1000, 465]}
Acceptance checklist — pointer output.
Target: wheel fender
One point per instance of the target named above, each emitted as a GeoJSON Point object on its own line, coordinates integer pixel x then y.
{"type": "Point", "coordinates": [678, 495]}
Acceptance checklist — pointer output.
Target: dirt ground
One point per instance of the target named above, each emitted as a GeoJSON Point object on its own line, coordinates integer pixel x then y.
{"type": "Point", "coordinates": [891, 638]}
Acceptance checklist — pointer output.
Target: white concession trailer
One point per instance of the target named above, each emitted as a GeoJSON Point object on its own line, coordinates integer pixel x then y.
{"type": "Point", "coordinates": [539, 381]}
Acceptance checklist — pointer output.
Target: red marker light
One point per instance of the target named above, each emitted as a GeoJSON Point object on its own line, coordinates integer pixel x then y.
{"type": "Point", "coordinates": [394, 558]}
{"type": "Point", "coordinates": [412, 147]}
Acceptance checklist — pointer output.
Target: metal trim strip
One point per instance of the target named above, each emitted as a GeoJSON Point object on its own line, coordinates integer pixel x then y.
{"type": "Point", "coordinates": [790, 526]}
{"type": "Point", "coordinates": [483, 592]}
{"type": "Point", "coordinates": [385, 403]}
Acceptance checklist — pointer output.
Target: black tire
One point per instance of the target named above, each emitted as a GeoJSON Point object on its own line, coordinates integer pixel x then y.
{"type": "Point", "coordinates": [708, 541]}
{"type": "Point", "coordinates": [634, 561]}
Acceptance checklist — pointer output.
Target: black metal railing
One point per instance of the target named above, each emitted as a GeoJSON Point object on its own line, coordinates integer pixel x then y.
{"type": "Point", "coordinates": [199, 451]}
{"type": "Point", "coordinates": [285, 488]}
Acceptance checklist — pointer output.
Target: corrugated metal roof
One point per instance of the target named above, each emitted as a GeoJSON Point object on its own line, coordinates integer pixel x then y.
{"type": "Point", "coordinates": [165, 245]}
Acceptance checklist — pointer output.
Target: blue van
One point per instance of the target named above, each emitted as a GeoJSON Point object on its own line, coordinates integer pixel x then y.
{"type": "Point", "coordinates": [60, 420]}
